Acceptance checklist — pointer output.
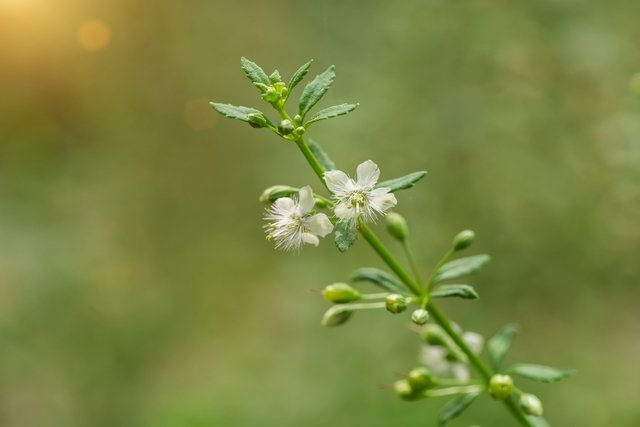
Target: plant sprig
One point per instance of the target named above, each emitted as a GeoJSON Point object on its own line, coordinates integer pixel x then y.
{"type": "Point", "coordinates": [296, 217]}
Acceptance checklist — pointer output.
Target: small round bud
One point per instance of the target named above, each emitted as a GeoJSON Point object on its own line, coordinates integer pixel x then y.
{"type": "Point", "coordinates": [420, 316]}
{"type": "Point", "coordinates": [434, 335]}
{"type": "Point", "coordinates": [404, 390]}
{"type": "Point", "coordinates": [285, 127]}
{"type": "Point", "coordinates": [336, 316]}
{"type": "Point", "coordinates": [500, 386]}
{"type": "Point", "coordinates": [397, 226]}
{"type": "Point", "coordinates": [463, 240]}
{"type": "Point", "coordinates": [420, 378]}
{"type": "Point", "coordinates": [300, 130]}
{"type": "Point", "coordinates": [297, 119]}
{"type": "Point", "coordinates": [341, 293]}
{"type": "Point", "coordinates": [256, 120]}
{"type": "Point", "coordinates": [396, 303]}
{"type": "Point", "coordinates": [531, 405]}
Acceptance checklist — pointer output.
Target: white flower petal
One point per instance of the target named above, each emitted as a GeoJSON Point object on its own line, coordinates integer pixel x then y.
{"type": "Point", "coordinates": [474, 340]}
{"type": "Point", "coordinates": [285, 204]}
{"type": "Point", "coordinates": [310, 238]}
{"type": "Point", "coordinates": [460, 371]}
{"type": "Point", "coordinates": [305, 201]}
{"type": "Point", "coordinates": [345, 212]}
{"type": "Point", "coordinates": [319, 224]}
{"type": "Point", "coordinates": [381, 200]}
{"type": "Point", "coordinates": [367, 174]}
{"type": "Point", "coordinates": [338, 181]}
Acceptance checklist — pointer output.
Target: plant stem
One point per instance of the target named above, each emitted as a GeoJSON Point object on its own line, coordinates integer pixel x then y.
{"type": "Point", "coordinates": [432, 277]}
{"type": "Point", "coordinates": [418, 290]}
{"type": "Point", "coordinates": [412, 261]}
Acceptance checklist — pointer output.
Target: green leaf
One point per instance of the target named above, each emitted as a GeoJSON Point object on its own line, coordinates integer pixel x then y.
{"type": "Point", "coordinates": [455, 407]}
{"type": "Point", "coordinates": [237, 112]}
{"type": "Point", "coordinates": [345, 234]}
{"type": "Point", "coordinates": [254, 72]}
{"type": "Point", "coordinates": [321, 155]}
{"type": "Point", "coordinates": [275, 192]}
{"type": "Point", "coordinates": [499, 344]}
{"type": "Point", "coordinates": [330, 112]}
{"type": "Point", "coordinates": [378, 277]}
{"type": "Point", "coordinates": [461, 291]}
{"type": "Point", "coordinates": [461, 267]}
{"type": "Point", "coordinates": [315, 90]}
{"type": "Point", "coordinates": [403, 182]}
{"type": "Point", "coordinates": [299, 75]}
{"type": "Point", "coordinates": [545, 374]}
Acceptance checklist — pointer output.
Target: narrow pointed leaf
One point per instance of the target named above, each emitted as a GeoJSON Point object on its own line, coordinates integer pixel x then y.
{"type": "Point", "coordinates": [403, 182]}
{"type": "Point", "coordinates": [315, 90]}
{"type": "Point", "coordinates": [378, 277]}
{"type": "Point", "coordinates": [345, 236]}
{"type": "Point", "coordinates": [254, 72]}
{"type": "Point", "coordinates": [238, 112]}
{"type": "Point", "coordinates": [299, 75]}
{"type": "Point", "coordinates": [545, 374]}
{"type": "Point", "coordinates": [330, 112]}
{"type": "Point", "coordinates": [460, 291]}
{"type": "Point", "coordinates": [461, 267]}
{"type": "Point", "coordinates": [321, 155]}
{"type": "Point", "coordinates": [499, 344]}
{"type": "Point", "coordinates": [456, 407]}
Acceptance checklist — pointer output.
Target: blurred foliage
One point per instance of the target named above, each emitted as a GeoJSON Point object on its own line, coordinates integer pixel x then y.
{"type": "Point", "coordinates": [136, 288]}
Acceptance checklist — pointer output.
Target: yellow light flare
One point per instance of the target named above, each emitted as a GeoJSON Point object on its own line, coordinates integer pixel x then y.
{"type": "Point", "coordinates": [94, 35]}
{"type": "Point", "coordinates": [198, 114]}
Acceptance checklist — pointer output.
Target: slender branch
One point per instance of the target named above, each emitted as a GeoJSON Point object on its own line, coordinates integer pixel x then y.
{"type": "Point", "coordinates": [412, 261]}
{"type": "Point", "coordinates": [432, 276]}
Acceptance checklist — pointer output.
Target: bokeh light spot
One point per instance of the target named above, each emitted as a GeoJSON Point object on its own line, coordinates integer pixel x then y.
{"type": "Point", "coordinates": [94, 35]}
{"type": "Point", "coordinates": [198, 114]}
{"type": "Point", "coordinates": [634, 83]}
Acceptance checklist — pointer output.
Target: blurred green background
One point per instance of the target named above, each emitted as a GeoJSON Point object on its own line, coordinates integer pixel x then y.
{"type": "Point", "coordinates": [136, 287]}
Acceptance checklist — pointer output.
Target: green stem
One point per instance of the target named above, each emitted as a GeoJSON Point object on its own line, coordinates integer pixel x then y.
{"type": "Point", "coordinates": [432, 277]}
{"type": "Point", "coordinates": [395, 266]}
{"type": "Point", "coordinates": [412, 261]}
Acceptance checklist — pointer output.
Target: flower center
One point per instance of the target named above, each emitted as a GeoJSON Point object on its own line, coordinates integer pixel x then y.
{"type": "Point", "coordinates": [357, 199]}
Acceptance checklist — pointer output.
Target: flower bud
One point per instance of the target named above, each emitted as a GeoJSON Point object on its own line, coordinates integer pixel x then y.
{"type": "Point", "coordinates": [531, 405]}
{"type": "Point", "coordinates": [500, 386]}
{"type": "Point", "coordinates": [297, 119]}
{"type": "Point", "coordinates": [420, 378]}
{"type": "Point", "coordinates": [341, 293]}
{"type": "Point", "coordinates": [420, 316]}
{"type": "Point", "coordinates": [256, 120]}
{"type": "Point", "coordinates": [285, 127]}
{"type": "Point", "coordinates": [397, 226]}
{"type": "Point", "coordinates": [404, 390]}
{"type": "Point", "coordinates": [300, 130]}
{"type": "Point", "coordinates": [463, 240]}
{"type": "Point", "coordinates": [273, 193]}
{"type": "Point", "coordinates": [336, 316]}
{"type": "Point", "coordinates": [396, 303]}
{"type": "Point", "coordinates": [271, 95]}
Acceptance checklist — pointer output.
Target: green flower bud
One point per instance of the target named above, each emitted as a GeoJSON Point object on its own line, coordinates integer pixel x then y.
{"type": "Point", "coordinates": [257, 120]}
{"type": "Point", "coordinates": [433, 334]}
{"type": "Point", "coordinates": [420, 316]}
{"type": "Point", "coordinates": [285, 127]}
{"type": "Point", "coordinates": [341, 293]}
{"type": "Point", "coordinates": [275, 77]}
{"type": "Point", "coordinates": [500, 386]}
{"type": "Point", "coordinates": [271, 95]}
{"type": "Point", "coordinates": [300, 130]}
{"type": "Point", "coordinates": [273, 193]}
{"type": "Point", "coordinates": [336, 316]}
{"type": "Point", "coordinates": [531, 405]}
{"type": "Point", "coordinates": [463, 240]}
{"type": "Point", "coordinates": [420, 378]}
{"type": "Point", "coordinates": [297, 119]}
{"type": "Point", "coordinates": [397, 226]}
{"type": "Point", "coordinates": [404, 390]}
{"type": "Point", "coordinates": [396, 303]}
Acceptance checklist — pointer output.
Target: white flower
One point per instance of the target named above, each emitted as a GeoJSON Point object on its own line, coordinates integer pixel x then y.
{"type": "Point", "coordinates": [435, 357]}
{"type": "Point", "coordinates": [359, 198]}
{"type": "Point", "coordinates": [291, 225]}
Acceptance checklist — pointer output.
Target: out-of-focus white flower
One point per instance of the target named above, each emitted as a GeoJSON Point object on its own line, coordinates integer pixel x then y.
{"type": "Point", "coordinates": [437, 358]}
{"type": "Point", "coordinates": [359, 199]}
{"type": "Point", "coordinates": [291, 224]}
